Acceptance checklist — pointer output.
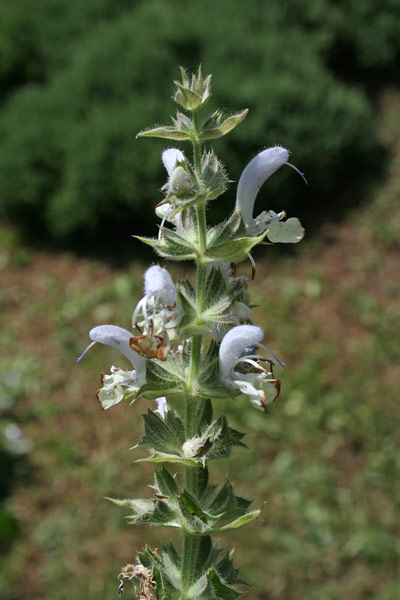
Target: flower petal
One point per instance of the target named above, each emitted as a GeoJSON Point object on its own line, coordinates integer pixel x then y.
{"type": "Point", "coordinates": [157, 281]}
{"type": "Point", "coordinates": [118, 338]}
{"type": "Point", "coordinates": [233, 344]}
{"type": "Point", "coordinates": [254, 175]}
{"type": "Point", "coordinates": [162, 407]}
{"type": "Point", "coordinates": [170, 157]}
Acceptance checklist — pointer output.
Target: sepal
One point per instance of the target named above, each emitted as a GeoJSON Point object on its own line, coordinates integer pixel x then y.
{"type": "Point", "coordinates": [164, 436]}
{"type": "Point", "coordinates": [218, 308]}
{"type": "Point", "coordinates": [229, 242]}
{"type": "Point", "coordinates": [192, 92]}
{"type": "Point", "coordinates": [165, 377]}
{"type": "Point", "coordinates": [218, 124]}
{"type": "Point", "coordinates": [190, 323]}
{"type": "Point", "coordinates": [213, 176]}
{"type": "Point", "coordinates": [218, 301]}
{"type": "Point", "coordinates": [209, 384]}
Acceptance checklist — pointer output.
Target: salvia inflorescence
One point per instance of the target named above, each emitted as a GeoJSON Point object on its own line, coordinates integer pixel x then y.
{"type": "Point", "coordinates": [190, 345]}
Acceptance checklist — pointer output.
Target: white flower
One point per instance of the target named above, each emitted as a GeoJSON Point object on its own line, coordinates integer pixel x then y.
{"type": "Point", "coordinates": [117, 386]}
{"type": "Point", "coordinates": [162, 407]}
{"type": "Point", "coordinates": [171, 159]}
{"type": "Point", "coordinates": [120, 383]}
{"type": "Point", "coordinates": [265, 164]}
{"type": "Point", "coordinates": [240, 368]}
{"type": "Point", "coordinates": [160, 311]}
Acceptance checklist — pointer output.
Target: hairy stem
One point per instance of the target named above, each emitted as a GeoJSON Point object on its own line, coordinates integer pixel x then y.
{"type": "Point", "coordinates": [191, 543]}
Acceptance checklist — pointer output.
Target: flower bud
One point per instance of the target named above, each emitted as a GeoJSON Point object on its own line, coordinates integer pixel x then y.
{"type": "Point", "coordinates": [192, 92]}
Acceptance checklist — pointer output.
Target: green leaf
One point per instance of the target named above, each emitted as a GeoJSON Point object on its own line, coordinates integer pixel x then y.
{"type": "Point", "coordinates": [234, 250]}
{"type": "Point", "coordinates": [171, 245]}
{"type": "Point", "coordinates": [159, 435]}
{"type": "Point", "coordinates": [172, 571]}
{"type": "Point", "coordinates": [218, 301]}
{"type": "Point", "coordinates": [165, 483]}
{"type": "Point", "coordinates": [164, 378]}
{"type": "Point", "coordinates": [224, 500]}
{"type": "Point", "coordinates": [290, 231]}
{"type": "Point", "coordinates": [196, 589]}
{"type": "Point", "coordinates": [203, 487]}
{"type": "Point", "coordinates": [247, 518]}
{"type": "Point", "coordinates": [170, 551]}
{"type": "Point", "coordinates": [175, 424]}
{"type": "Point", "coordinates": [220, 590]}
{"type": "Point", "coordinates": [223, 438]}
{"type": "Point", "coordinates": [217, 126]}
{"type": "Point", "coordinates": [190, 521]}
{"type": "Point", "coordinates": [209, 368]}
{"type": "Point", "coordinates": [168, 132]}
{"type": "Point", "coordinates": [186, 98]}
{"type": "Point", "coordinates": [192, 506]}
{"type": "Point", "coordinates": [153, 512]}
{"type": "Point", "coordinates": [130, 503]}
{"type": "Point", "coordinates": [226, 570]}
{"type": "Point", "coordinates": [204, 414]}
{"type": "Point", "coordinates": [163, 457]}
{"type": "Point", "coordinates": [226, 231]}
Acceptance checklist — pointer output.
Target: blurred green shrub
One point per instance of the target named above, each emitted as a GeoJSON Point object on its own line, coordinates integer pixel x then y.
{"type": "Point", "coordinates": [80, 79]}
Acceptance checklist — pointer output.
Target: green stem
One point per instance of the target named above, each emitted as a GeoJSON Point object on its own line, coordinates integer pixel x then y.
{"type": "Point", "coordinates": [191, 547]}
{"type": "Point", "coordinates": [196, 144]}
{"type": "Point", "coordinates": [201, 266]}
{"type": "Point", "coordinates": [197, 339]}
{"type": "Point", "coordinates": [191, 478]}
{"type": "Point", "coordinates": [191, 543]}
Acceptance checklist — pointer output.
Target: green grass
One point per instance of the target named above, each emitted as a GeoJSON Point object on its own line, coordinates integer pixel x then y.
{"type": "Point", "coordinates": [325, 460]}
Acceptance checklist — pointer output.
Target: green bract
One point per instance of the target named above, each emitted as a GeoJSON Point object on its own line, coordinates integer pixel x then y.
{"type": "Point", "coordinates": [192, 343]}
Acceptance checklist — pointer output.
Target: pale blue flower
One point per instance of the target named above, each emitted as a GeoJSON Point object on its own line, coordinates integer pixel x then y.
{"type": "Point", "coordinates": [259, 169]}
{"type": "Point", "coordinates": [120, 383]}
{"type": "Point", "coordinates": [238, 350]}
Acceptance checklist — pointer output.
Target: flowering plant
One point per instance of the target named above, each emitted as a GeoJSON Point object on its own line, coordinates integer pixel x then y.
{"type": "Point", "coordinates": [190, 345]}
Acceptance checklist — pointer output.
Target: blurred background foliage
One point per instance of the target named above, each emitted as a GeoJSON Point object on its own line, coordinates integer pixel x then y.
{"type": "Point", "coordinates": [80, 79]}
{"type": "Point", "coordinates": [77, 81]}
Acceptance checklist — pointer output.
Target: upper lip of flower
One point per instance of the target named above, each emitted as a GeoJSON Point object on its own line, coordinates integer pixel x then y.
{"type": "Point", "coordinates": [233, 344]}
{"type": "Point", "coordinates": [170, 157]}
{"type": "Point", "coordinates": [259, 169]}
{"type": "Point", "coordinates": [118, 338]}
{"type": "Point", "coordinates": [160, 288]}
{"type": "Point", "coordinates": [254, 383]}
